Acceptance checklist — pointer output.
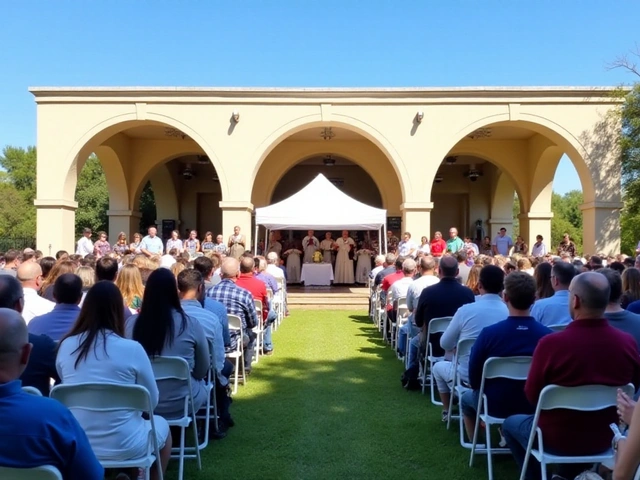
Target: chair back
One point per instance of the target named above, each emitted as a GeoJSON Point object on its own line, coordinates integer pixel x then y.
{"type": "Point", "coordinates": [103, 397]}
{"type": "Point", "coordinates": [45, 472]}
{"type": "Point", "coordinates": [235, 323]}
{"type": "Point", "coordinates": [170, 368]}
{"type": "Point", "coordinates": [464, 347]}
{"type": "Point", "coordinates": [438, 325]}
{"type": "Point", "coordinates": [557, 328]}
{"type": "Point", "coordinates": [512, 368]}
{"type": "Point", "coordinates": [258, 305]}
{"type": "Point", "coordinates": [402, 308]}
{"type": "Point", "coordinates": [212, 355]}
{"type": "Point", "coordinates": [586, 398]}
{"type": "Point", "coordinates": [32, 391]}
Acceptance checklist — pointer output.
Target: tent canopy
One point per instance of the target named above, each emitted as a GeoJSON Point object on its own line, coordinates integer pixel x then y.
{"type": "Point", "coordinates": [320, 206]}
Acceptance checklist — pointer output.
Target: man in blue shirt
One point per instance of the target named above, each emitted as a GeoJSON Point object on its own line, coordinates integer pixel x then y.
{"type": "Point", "coordinates": [518, 335]}
{"type": "Point", "coordinates": [555, 309]}
{"type": "Point", "coordinates": [502, 243]}
{"type": "Point", "coordinates": [42, 361]}
{"type": "Point", "coordinates": [67, 291]}
{"type": "Point", "coordinates": [48, 432]}
{"type": "Point", "coordinates": [204, 265]}
{"type": "Point", "coordinates": [151, 244]}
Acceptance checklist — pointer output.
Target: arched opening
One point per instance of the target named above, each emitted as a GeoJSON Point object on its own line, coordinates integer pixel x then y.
{"type": "Point", "coordinates": [92, 195]}
{"type": "Point", "coordinates": [528, 154]}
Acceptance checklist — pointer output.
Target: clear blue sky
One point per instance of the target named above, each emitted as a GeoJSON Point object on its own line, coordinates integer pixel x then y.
{"type": "Point", "coordinates": [306, 43]}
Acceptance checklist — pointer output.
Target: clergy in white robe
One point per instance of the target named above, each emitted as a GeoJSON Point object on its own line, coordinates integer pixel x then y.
{"type": "Point", "coordinates": [293, 265]}
{"type": "Point", "coordinates": [344, 265]}
{"type": "Point", "coordinates": [327, 248]}
{"type": "Point", "coordinates": [309, 244]}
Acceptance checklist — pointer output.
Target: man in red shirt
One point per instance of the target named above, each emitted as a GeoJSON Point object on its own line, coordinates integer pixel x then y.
{"type": "Point", "coordinates": [394, 277]}
{"type": "Point", "coordinates": [438, 245]}
{"type": "Point", "coordinates": [258, 290]}
{"type": "Point", "coordinates": [588, 352]}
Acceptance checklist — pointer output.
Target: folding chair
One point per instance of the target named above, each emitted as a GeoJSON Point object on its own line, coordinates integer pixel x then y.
{"type": "Point", "coordinates": [235, 325]}
{"type": "Point", "coordinates": [511, 368]}
{"type": "Point", "coordinates": [259, 331]}
{"type": "Point", "coordinates": [32, 391]}
{"type": "Point", "coordinates": [45, 472]}
{"type": "Point", "coordinates": [177, 368]}
{"type": "Point", "coordinates": [587, 398]}
{"type": "Point", "coordinates": [381, 314]}
{"type": "Point", "coordinates": [436, 325]}
{"type": "Point", "coordinates": [107, 397]}
{"type": "Point", "coordinates": [372, 300]}
{"type": "Point", "coordinates": [211, 398]}
{"type": "Point", "coordinates": [557, 328]}
{"type": "Point", "coordinates": [402, 313]}
{"type": "Point", "coordinates": [462, 350]}
{"type": "Point", "coordinates": [279, 300]}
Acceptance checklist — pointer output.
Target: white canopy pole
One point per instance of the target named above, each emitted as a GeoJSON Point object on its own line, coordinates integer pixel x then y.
{"type": "Point", "coordinates": [256, 240]}
{"type": "Point", "coordinates": [379, 243]}
{"type": "Point", "coordinates": [386, 247]}
{"type": "Point", "coordinates": [266, 242]}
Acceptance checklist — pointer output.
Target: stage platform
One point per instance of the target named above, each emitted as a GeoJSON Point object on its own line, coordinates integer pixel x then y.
{"type": "Point", "coordinates": [328, 298]}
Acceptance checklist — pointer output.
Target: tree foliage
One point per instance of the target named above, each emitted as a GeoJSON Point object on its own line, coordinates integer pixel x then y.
{"type": "Point", "coordinates": [147, 207]}
{"type": "Point", "coordinates": [92, 196]}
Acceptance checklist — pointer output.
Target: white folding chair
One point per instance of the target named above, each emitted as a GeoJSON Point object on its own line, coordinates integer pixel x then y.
{"type": "Point", "coordinates": [259, 331]}
{"type": "Point", "coordinates": [381, 313]}
{"type": "Point", "coordinates": [511, 368]}
{"type": "Point", "coordinates": [557, 328]}
{"type": "Point", "coordinates": [237, 355]}
{"type": "Point", "coordinates": [177, 368]}
{"type": "Point", "coordinates": [436, 325]}
{"type": "Point", "coordinates": [32, 391]}
{"type": "Point", "coordinates": [402, 314]}
{"type": "Point", "coordinates": [586, 398]}
{"type": "Point", "coordinates": [108, 397]}
{"type": "Point", "coordinates": [279, 300]}
{"type": "Point", "coordinates": [45, 472]}
{"type": "Point", "coordinates": [211, 404]}
{"type": "Point", "coordinates": [462, 353]}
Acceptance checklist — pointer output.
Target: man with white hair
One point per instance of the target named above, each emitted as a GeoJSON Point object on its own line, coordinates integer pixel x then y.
{"type": "Point", "coordinates": [49, 434]}
{"type": "Point", "coordinates": [272, 266]}
{"type": "Point", "coordinates": [455, 243]}
{"type": "Point", "coordinates": [238, 302]}
{"type": "Point", "coordinates": [379, 266]}
{"type": "Point", "coordinates": [30, 276]}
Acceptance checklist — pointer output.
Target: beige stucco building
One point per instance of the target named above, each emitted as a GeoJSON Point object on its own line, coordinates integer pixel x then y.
{"type": "Point", "coordinates": [434, 157]}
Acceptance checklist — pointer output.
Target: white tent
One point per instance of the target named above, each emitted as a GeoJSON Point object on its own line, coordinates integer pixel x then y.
{"type": "Point", "coordinates": [321, 206]}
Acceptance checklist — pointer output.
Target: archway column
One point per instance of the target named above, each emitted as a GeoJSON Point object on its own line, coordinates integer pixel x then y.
{"type": "Point", "coordinates": [237, 213]}
{"type": "Point", "coordinates": [533, 224]}
{"type": "Point", "coordinates": [55, 225]}
{"type": "Point", "coordinates": [127, 221]}
{"type": "Point", "coordinates": [496, 223]}
{"type": "Point", "coordinates": [416, 219]}
{"type": "Point", "coordinates": [601, 227]}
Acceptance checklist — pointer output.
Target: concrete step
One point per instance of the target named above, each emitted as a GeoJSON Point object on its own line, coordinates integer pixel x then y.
{"type": "Point", "coordinates": [358, 307]}
{"type": "Point", "coordinates": [327, 301]}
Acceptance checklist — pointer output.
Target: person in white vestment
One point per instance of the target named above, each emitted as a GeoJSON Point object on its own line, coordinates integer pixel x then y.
{"type": "Point", "coordinates": [293, 263]}
{"type": "Point", "coordinates": [274, 245]}
{"type": "Point", "coordinates": [363, 264]}
{"type": "Point", "coordinates": [327, 248]}
{"type": "Point", "coordinates": [309, 245]}
{"type": "Point", "coordinates": [344, 264]}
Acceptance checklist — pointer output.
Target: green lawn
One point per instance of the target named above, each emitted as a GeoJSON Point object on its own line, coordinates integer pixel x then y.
{"type": "Point", "coordinates": [328, 404]}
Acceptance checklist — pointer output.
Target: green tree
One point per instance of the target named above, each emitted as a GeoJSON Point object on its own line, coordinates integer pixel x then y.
{"type": "Point", "coordinates": [92, 196]}
{"type": "Point", "coordinates": [20, 167]}
{"type": "Point", "coordinates": [17, 215]}
{"type": "Point", "coordinates": [567, 218]}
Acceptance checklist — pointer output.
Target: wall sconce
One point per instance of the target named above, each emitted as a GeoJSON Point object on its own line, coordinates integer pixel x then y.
{"type": "Point", "coordinates": [419, 117]}
{"type": "Point", "coordinates": [236, 116]}
{"type": "Point", "coordinates": [439, 178]}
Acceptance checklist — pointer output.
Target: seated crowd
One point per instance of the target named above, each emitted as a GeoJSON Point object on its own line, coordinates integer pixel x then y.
{"type": "Point", "coordinates": [80, 319]}
{"type": "Point", "coordinates": [574, 318]}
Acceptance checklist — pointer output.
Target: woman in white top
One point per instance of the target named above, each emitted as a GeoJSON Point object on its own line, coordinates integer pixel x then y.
{"type": "Point", "coordinates": [174, 242]}
{"type": "Point", "coordinates": [162, 328]}
{"type": "Point", "coordinates": [424, 247]}
{"type": "Point", "coordinates": [96, 351]}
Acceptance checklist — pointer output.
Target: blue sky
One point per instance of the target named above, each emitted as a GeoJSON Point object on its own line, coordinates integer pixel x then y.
{"type": "Point", "coordinates": [303, 43]}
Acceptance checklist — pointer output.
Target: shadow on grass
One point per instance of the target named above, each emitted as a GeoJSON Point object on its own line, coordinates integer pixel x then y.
{"type": "Point", "coordinates": [327, 406]}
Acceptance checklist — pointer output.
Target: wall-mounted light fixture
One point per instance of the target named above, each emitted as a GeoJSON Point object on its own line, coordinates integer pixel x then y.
{"type": "Point", "coordinates": [438, 179]}
{"type": "Point", "coordinates": [236, 116]}
{"type": "Point", "coordinates": [419, 117]}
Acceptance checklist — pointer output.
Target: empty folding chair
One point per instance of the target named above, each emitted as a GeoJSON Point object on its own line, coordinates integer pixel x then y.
{"type": "Point", "coordinates": [511, 368]}
{"type": "Point", "coordinates": [436, 325]}
{"type": "Point", "coordinates": [177, 368]}
{"type": "Point", "coordinates": [211, 407]}
{"type": "Point", "coordinates": [587, 398]}
{"type": "Point", "coordinates": [237, 355]}
{"type": "Point", "coordinates": [107, 397]}
{"type": "Point", "coordinates": [45, 472]}
{"type": "Point", "coordinates": [32, 391]}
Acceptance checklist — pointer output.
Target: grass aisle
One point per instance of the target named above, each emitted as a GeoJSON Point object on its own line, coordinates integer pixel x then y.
{"type": "Point", "coordinates": [328, 404]}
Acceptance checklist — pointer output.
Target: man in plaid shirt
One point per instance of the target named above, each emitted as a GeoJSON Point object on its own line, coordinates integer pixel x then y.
{"type": "Point", "coordinates": [238, 302]}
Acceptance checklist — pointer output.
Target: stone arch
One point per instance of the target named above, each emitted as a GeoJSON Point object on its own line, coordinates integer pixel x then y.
{"type": "Point", "coordinates": [100, 132]}
{"type": "Point", "coordinates": [271, 175]}
{"type": "Point", "coordinates": [368, 132]}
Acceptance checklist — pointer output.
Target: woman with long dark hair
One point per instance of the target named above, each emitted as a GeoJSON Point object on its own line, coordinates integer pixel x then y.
{"type": "Point", "coordinates": [163, 329]}
{"type": "Point", "coordinates": [542, 276]}
{"type": "Point", "coordinates": [96, 351]}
